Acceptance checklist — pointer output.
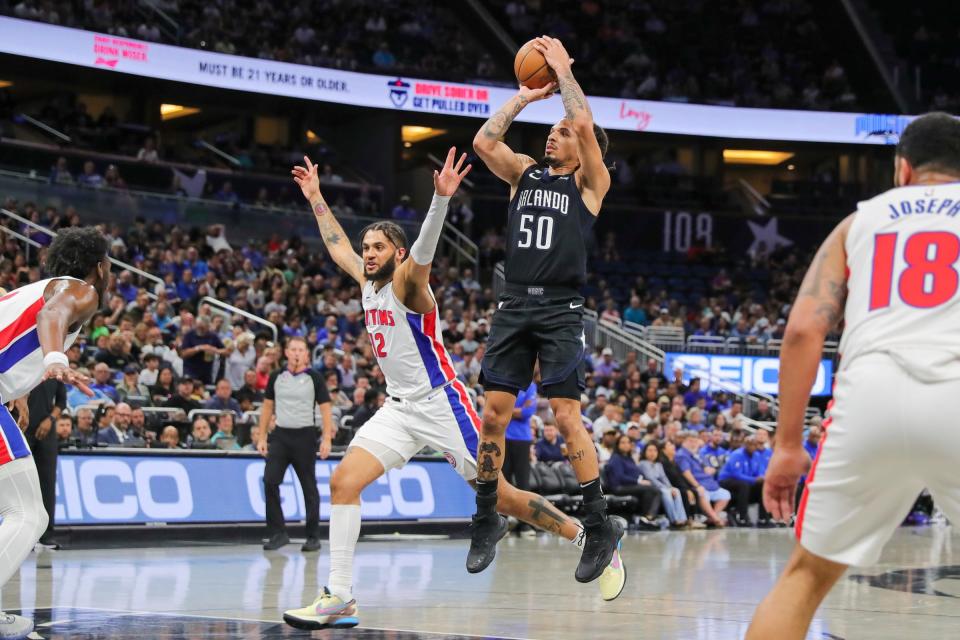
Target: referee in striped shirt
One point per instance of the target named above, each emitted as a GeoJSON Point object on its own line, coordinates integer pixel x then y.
{"type": "Point", "coordinates": [293, 394]}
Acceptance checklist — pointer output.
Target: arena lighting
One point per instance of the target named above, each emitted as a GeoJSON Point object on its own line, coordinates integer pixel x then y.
{"type": "Point", "coordinates": [5, 83]}
{"type": "Point", "coordinates": [755, 156]}
{"type": "Point", "coordinates": [413, 133]}
{"type": "Point", "coordinates": [171, 111]}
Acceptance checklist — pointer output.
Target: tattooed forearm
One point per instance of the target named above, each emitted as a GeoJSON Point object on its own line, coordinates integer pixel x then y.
{"type": "Point", "coordinates": [574, 102]}
{"type": "Point", "coordinates": [499, 122]}
{"type": "Point", "coordinates": [335, 239]}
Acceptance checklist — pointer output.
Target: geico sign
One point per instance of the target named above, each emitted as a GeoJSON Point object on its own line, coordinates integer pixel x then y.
{"type": "Point", "coordinates": [405, 492]}
{"type": "Point", "coordinates": [742, 373]}
{"type": "Point", "coordinates": [115, 490]}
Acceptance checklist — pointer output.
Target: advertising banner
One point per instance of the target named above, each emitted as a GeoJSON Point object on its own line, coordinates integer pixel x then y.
{"type": "Point", "coordinates": [152, 60]}
{"type": "Point", "coordinates": [136, 489]}
{"type": "Point", "coordinates": [745, 373]}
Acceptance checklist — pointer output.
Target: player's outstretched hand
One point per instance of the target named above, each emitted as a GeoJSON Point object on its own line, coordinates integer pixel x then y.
{"type": "Point", "coordinates": [532, 95]}
{"type": "Point", "coordinates": [68, 376]}
{"type": "Point", "coordinates": [447, 180]}
{"type": "Point", "coordinates": [307, 179]}
{"type": "Point", "coordinates": [554, 53]}
{"type": "Point", "coordinates": [780, 483]}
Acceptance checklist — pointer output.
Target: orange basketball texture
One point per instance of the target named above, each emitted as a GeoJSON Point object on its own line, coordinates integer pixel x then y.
{"type": "Point", "coordinates": [530, 68]}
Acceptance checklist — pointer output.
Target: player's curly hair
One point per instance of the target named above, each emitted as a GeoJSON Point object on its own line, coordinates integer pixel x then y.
{"type": "Point", "coordinates": [392, 230]}
{"type": "Point", "coordinates": [75, 252]}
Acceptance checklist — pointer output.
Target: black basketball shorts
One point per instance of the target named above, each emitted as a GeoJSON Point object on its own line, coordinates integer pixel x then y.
{"type": "Point", "coordinates": [530, 328]}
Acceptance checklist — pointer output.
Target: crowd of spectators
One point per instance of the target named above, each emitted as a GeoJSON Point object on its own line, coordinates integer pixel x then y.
{"type": "Point", "coordinates": [383, 36]}
{"type": "Point", "coordinates": [746, 54]}
{"type": "Point", "coordinates": [751, 54]}
{"type": "Point", "coordinates": [927, 47]}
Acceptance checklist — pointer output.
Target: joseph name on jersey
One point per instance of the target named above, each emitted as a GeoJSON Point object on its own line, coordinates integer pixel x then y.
{"type": "Point", "coordinates": [21, 358]}
{"type": "Point", "coordinates": [902, 252]}
{"type": "Point", "coordinates": [408, 346]}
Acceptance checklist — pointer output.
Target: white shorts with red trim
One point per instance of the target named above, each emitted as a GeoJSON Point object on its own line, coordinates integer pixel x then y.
{"type": "Point", "coordinates": [884, 443]}
{"type": "Point", "coordinates": [445, 420]}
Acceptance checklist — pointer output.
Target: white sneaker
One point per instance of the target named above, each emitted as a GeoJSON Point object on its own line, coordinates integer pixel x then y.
{"type": "Point", "coordinates": [327, 611]}
{"type": "Point", "coordinates": [14, 627]}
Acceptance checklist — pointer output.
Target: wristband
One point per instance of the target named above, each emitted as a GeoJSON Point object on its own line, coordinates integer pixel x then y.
{"type": "Point", "coordinates": [55, 357]}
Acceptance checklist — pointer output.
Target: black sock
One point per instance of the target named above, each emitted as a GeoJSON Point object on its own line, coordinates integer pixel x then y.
{"type": "Point", "coordinates": [592, 490]}
{"type": "Point", "coordinates": [486, 496]}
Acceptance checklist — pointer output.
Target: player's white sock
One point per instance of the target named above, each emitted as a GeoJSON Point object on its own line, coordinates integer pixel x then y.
{"type": "Point", "coordinates": [344, 532]}
{"type": "Point", "coordinates": [579, 538]}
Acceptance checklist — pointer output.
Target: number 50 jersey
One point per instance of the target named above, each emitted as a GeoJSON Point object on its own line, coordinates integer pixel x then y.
{"type": "Point", "coordinates": [547, 230]}
{"type": "Point", "coordinates": [408, 346]}
{"type": "Point", "coordinates": [902, 251]}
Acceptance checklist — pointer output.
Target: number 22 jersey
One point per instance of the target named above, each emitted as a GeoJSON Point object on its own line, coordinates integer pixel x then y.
{"type": "Point", "coordinates": [408, 346]}
{"type": "Point", "coordinates": [902, 252]}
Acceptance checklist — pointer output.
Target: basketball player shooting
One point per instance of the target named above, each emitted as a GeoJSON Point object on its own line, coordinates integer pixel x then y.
{"type": "Point", "coordinates": [553, 206]}
{"type": "Point", "coordinates": [40, 321]}
{"type": "Point", "coordinates": [427, 405]}
{"type": "Point", "coordinates": [890, 270]}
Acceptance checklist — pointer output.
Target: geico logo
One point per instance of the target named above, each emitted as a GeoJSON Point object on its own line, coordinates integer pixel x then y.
{"type": "Point", "coordinates": [746, 373]}
{"type": "Point", "coordinates": [406, 492]}
{"type": "Point", "coordinates": [118, 490]}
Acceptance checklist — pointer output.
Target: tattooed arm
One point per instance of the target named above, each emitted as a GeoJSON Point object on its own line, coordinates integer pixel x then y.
{"type": "Point", "coordinates": [816, 312]}
{"type": "Point", "coordinates": [336, 241]}
{"type": "Point", "coordinates": [499, 158]}
{"type": "Point", "coordinates": [593, 177]}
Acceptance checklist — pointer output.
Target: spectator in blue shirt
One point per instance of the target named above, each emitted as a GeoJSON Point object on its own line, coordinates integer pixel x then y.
{"type": "Point", "coordinates": [516, 460]}
{"type": "Point", "coordinates": [635, 312]}
{"type": "Point", "coordinates": [711, 497]}
{"type": "Point", "coordinates": [764, 448]}
{"type": "Point", "coordinates": [714, 454]}
{"type": "Point", "coordinates": [404, 211]}
{"type": "Point", "coordinates": [186, 288]}
{"type": "Point", "coordinates": [550, 447]}
{"type": "Point", "coordinates": [694, 393]}
{"type": "Point", "coordinates": [623, 478]}
{"type": "Point", "coordinates": [222, 399]}
{"type": "Point", "coordinates": [695, 420]}
{"type": "Point", "coordinates": [198, 267]}
{"type": "Point", "coordinates": [102, 382]}
{"type": "Point", "coordinates": [742, 478]}
{"type": "Point", "coordinates": [126, 288]}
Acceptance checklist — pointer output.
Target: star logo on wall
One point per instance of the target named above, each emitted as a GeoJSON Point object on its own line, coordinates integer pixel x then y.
{"type": "Point", "coordinates": [768, 236]}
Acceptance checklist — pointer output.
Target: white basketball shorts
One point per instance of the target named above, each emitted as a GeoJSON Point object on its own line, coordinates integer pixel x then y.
{"type": "Point", "coordinates": [888, 436]}
{"type": "Point", "coordinates": [444, 420]}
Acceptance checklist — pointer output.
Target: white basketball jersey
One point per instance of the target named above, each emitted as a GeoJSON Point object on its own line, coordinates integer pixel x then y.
{"type": "Point", "coordinates": [21, 358]}
{"type": "Point", "coordinates": [408, 346]}
{"type": "Point", "coordinates": [902, 260]}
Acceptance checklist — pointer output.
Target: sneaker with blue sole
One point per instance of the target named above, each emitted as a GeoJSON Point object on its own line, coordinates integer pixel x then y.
{"type": "Point", "coordinates": [14, 627]}
{"type": "Point", "coordinates": [326, 612]}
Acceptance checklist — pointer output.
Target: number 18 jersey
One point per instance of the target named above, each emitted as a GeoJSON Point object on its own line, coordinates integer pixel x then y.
{"type": "Point", "coordinates": [902, 252]}
{"type": "Point", "coordinates": [408, 346]}
{"type": "Point", "coordinates": [548, 225]}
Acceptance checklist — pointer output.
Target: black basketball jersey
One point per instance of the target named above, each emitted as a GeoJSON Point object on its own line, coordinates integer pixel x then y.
{"type": "Point", "coordinates": [547, 229]}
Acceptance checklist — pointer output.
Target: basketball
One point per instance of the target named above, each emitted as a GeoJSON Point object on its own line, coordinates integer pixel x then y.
{"type": "Point", "coordinates": [531, 68]}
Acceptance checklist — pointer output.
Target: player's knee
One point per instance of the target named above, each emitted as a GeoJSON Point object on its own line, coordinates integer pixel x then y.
{"type": "Point", "coordinates": [343, 489]}
{"type": "Point", "coordinates": [494, 422]}
{"type": "Point", "coordinates": [568, 418]}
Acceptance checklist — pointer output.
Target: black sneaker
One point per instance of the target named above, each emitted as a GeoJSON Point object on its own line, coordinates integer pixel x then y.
{"type": "Point", "coordinates": [312, 544]}
{"type": "Point", "coordinates": [598, 549]}
{"type": "Point", "coordinates": [276, 541]}
{"type": "Point", "coordinates": [486, 531]}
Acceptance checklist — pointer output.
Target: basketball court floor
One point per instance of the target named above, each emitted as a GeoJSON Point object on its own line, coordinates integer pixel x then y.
{"type": "Point", "coordinates": [690, 585]}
